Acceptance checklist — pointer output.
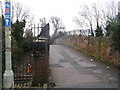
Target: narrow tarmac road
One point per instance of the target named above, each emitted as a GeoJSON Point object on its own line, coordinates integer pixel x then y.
{"type": "Point", "coordinates": [72, 69]}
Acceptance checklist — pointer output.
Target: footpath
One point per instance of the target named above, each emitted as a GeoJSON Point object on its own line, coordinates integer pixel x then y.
{"type": "Point", "coordinates": [72, 69]}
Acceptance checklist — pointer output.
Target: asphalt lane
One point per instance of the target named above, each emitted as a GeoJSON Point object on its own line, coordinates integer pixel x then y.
{"type": "Point", "coordinates": [73, 69]}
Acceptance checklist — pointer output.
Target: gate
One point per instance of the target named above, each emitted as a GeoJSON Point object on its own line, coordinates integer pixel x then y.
{"type": "Point", "coordinates": [32, 69]}
{"type": "Point", "coordinates": [22, 75]}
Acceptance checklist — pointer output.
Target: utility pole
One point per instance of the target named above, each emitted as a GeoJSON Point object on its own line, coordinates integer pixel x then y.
{"type": "Point", "coordinates": [8, 77]}
{"type": "Point", "coordinates": [0, 45]}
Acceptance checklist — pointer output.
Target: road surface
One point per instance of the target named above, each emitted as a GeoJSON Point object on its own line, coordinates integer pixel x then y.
{"type": "Point", "coordinates": [72, 69]}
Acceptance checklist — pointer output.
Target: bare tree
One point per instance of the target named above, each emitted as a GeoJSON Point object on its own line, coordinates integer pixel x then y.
{"type": "Point", "coordinates": [96, 13]}
{"type": "Point", "coordinates": [57, 24]}
{"type": "Point", "coordinates": [109, 14]}
{"type": "Point", "coordinates": [19, 12]}
{"type": "Point", "coordinates": [86, 14]}
{"type": "Point", "coordinates": [43, 21]}
{"type": "Point", "coordinates": [112, 10]}
{"type": "Point", "coordinates": [80, 22]}
{"type": "Point", "coordinates": [97, 16]}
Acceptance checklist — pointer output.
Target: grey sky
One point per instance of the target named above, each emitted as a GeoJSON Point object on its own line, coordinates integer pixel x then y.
{"type": "Point", "coordinates": [65, 9]}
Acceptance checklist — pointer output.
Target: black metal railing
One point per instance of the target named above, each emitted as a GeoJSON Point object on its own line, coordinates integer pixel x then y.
{"type": "Point", "coordinates": [32, 69]}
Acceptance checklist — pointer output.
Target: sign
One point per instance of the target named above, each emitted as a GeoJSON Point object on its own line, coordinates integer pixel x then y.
{"type": "Point", "coordinates": [7, 8]}
{"type": "Point", "coordinates": [7, 22]}
{"type": "Point", "coordinates": [7, 14]}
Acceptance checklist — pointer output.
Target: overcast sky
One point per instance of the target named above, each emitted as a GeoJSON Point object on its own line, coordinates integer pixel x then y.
{"type": "Point", "coordinates": [65, 9]}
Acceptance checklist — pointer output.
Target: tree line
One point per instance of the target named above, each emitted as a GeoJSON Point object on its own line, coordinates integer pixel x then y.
{"type": "Point", "coordinates": [21, 33]}
{"type": "Point", "coordinates": [103, 21]}
{"type": "Point", "coordinates": [20, 16]}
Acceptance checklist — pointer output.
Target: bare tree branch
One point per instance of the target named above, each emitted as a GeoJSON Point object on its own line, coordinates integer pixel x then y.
{"type": "Point", "coordinates": [19, 12]}
{"type": "Point", "coordinates": [57, 24]}
{"type": "Point", "coordinates": [43, 21]}
{"type": "Point", "coordinates": [87, 18]}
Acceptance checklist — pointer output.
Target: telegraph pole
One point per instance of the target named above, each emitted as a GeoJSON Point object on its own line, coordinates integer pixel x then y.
{"type": "Point", "coordinates": [8, 77]}
{"type": "Point", "coordinates": [0, 45]}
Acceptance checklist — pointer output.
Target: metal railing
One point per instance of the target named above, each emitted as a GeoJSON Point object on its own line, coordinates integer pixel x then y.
{"type": "Point", "coordinates": [32, 69]}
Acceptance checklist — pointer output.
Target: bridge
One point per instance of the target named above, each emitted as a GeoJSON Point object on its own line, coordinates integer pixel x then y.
{"type": "Point", "coordinates": [78, 60]}
{"type": "Point", "coordinates": [73, 59]}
